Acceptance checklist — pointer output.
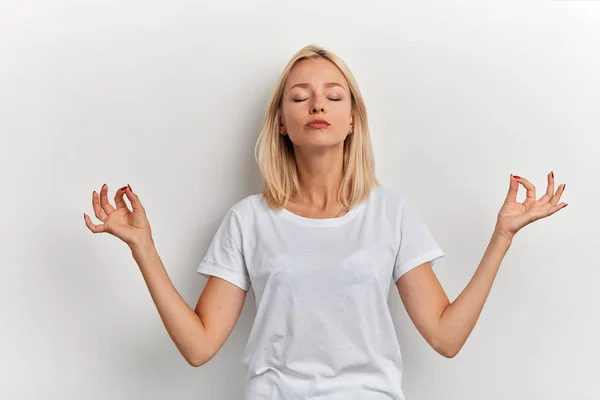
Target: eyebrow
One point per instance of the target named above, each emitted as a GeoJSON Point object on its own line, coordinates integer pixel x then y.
{"type": "Point", "coordinates": [306, 85]}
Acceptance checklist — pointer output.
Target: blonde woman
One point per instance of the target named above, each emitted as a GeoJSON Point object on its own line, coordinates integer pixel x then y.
{"type": "Point", "coordinates": [319, 246]}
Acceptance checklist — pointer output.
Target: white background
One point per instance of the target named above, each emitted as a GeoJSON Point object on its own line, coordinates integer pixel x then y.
{"type": "Point", "coordinates": [168, 96]}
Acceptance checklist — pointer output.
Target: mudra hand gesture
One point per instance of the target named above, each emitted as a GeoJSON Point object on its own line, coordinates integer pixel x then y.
{"type": "Point", "coordinates": [131, 226]}
{"type": "Point", "coordinates": [513, 216]}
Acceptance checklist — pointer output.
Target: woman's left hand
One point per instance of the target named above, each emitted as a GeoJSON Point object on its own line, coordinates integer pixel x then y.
{"type": "Point", "coordinates": [513, 216]}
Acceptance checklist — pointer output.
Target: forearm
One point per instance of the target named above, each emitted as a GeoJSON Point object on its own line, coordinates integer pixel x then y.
{"type": "Point", "coordinates": [183, 325]}
{"type": "Point", "coordinates": [459, 318]}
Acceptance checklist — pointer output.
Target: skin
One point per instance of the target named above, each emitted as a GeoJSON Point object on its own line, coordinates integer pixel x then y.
{"type": "Point", "coordinates": [201, 332]}
{"type": "Point", "coordinates": [446, 326]}
{"type": "Point", "coordinates": [321, 92]}
{"type": "Point", "coordinates": [443, 324]}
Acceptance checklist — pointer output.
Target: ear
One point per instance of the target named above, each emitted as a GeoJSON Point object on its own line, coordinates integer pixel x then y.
{"type": "Point", "coordinates": [281, 125]}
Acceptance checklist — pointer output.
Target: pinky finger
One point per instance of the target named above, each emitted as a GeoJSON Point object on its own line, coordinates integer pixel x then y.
{"type": "Point", "coordinates": [557, 208]}
{"type": "Point", "coordinates": [91, 226]}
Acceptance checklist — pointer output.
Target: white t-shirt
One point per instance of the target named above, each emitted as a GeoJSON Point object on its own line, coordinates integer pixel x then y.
{"type": "Point", "coordinates": [323, 329]}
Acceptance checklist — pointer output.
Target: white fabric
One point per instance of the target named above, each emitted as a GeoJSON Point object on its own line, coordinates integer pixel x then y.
{"type": "Point", "coordinates": [322, 329]}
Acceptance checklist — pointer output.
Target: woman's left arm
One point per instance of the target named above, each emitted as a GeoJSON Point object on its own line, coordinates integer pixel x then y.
{"type": "Point", "coordinates": [446, 326]}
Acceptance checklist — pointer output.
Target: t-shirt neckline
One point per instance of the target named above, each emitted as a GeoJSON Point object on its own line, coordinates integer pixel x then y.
{"type": "Point", "coordinates": [323, 221]}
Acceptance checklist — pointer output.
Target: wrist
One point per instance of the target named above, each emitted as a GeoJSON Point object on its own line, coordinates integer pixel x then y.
{"type": "Point", "coordinates": [143, 244]}
{"type": "Point", "coordinates": [502, 235]}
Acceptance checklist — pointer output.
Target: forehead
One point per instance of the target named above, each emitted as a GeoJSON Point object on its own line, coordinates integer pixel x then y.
{"type": "Point", "coordinates": [315, 72]}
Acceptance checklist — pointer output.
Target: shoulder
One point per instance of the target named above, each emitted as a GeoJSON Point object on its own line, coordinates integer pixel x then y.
{"type": "Point", "coordinates": [249, 206]}
{"type": "Point", "coordinates": [387, 198]}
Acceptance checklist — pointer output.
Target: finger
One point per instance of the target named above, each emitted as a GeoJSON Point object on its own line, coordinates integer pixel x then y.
{"type": "Point", "coordinates": [98, 211]}
{"type": "Point", "coordinates": [119, 200]}
{"type": "Point", "coordinates": [557, 207]}
{"type": "Point", "coordinates": [550, 189]}
{"type": "Point", "coordinates": [529, 186]}
{"type": "Point", "coordinates": [106, 206]}
{"type": "Point", "coordinates": [511, 197]}
{"type": "Point", "coordinates": [136, 204]}
{"type": "Point", "coordinates": [556, 198]}
{"type": "Point", "coordinates": [91, 226]}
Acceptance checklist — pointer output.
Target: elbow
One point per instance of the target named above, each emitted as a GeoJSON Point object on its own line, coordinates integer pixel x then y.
{"type": "Point", "coordinates": [201, 353]}
{"type": "Point", "coordinates": [447, 350]}
{"type": "Point", "coordinates": [199, 360]}
{"type": "Point", "coordinates": [195, 362]}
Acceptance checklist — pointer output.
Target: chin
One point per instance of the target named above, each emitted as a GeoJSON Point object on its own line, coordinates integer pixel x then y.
{"type": "Point", "coordinates": [321, 142]}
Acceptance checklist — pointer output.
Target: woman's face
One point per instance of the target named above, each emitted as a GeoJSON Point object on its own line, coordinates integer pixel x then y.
{"type": "Point", "coordinates": [316, 90]}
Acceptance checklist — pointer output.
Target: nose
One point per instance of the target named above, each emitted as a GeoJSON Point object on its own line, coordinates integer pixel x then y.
{"type": "Point", "coordinates": [317, 105]}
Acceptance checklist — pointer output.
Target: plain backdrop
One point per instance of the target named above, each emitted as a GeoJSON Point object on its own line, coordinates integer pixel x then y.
{"type": "Point", "coordinates": [168, 96]}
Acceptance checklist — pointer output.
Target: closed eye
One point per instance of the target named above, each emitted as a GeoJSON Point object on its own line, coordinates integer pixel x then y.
{"type": "Point", "coordinates": [301, 100]}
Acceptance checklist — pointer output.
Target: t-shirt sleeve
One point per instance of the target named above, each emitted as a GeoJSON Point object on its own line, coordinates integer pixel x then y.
{"type": "Point", "coordinates": [224, 257]}
{"type": "Point", "coordinates": [417, 244]}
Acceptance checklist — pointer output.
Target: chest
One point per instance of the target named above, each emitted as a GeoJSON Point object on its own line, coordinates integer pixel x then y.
{"type": "Point", "coordinates": [323, 261]}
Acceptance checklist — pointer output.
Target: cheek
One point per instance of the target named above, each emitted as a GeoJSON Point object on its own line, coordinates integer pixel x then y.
{"type": "Point", "coordinates": [342, 117]}
{"type": "Point", "coordinates": [295, 116]}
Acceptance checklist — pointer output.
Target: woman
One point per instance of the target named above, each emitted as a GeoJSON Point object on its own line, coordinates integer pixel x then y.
{"type": "Point", "coordinates": [319, 246]}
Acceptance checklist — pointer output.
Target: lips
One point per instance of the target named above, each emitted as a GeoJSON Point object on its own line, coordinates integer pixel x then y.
{"type": "Point", "coordinates": [318, 123]}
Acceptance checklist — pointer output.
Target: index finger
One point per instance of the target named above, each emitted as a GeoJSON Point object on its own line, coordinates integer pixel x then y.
{"type": "Point", "coordinates": [136, 204]}
{"type": "Point", "coordinates": [529, 186]}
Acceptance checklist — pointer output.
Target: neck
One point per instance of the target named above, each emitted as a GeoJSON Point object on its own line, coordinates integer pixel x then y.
{"type": "Point", "coordinates": [319, 178]}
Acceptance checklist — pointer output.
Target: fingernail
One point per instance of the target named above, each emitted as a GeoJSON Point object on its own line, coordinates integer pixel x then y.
{"type": "Point", "coordinates": [123, 188]}
{"type": "Point", "coordinates": [552, 172]}
{"type": "Point", "coordinates": [517, 177]}
{"type": "Point", "coordinates": [566, 205]}
{"type": "Point", "coordinates": [564, 187]}
{"type": "Point", "coordinates": [130, 188]}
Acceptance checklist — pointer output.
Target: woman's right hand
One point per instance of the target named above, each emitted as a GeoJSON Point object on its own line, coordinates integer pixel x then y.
{"type": "Point", "coordinates": [132, 227]}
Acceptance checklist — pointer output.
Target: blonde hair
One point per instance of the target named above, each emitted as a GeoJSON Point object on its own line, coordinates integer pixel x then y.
{"type": "Point", "coordinates": [275, 152]}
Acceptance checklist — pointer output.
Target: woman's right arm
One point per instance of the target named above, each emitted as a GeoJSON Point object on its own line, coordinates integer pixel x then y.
{"type": "Point", "coordinates": [200, 333]}
{"type": "Point", "coordinates": [197, 334]}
